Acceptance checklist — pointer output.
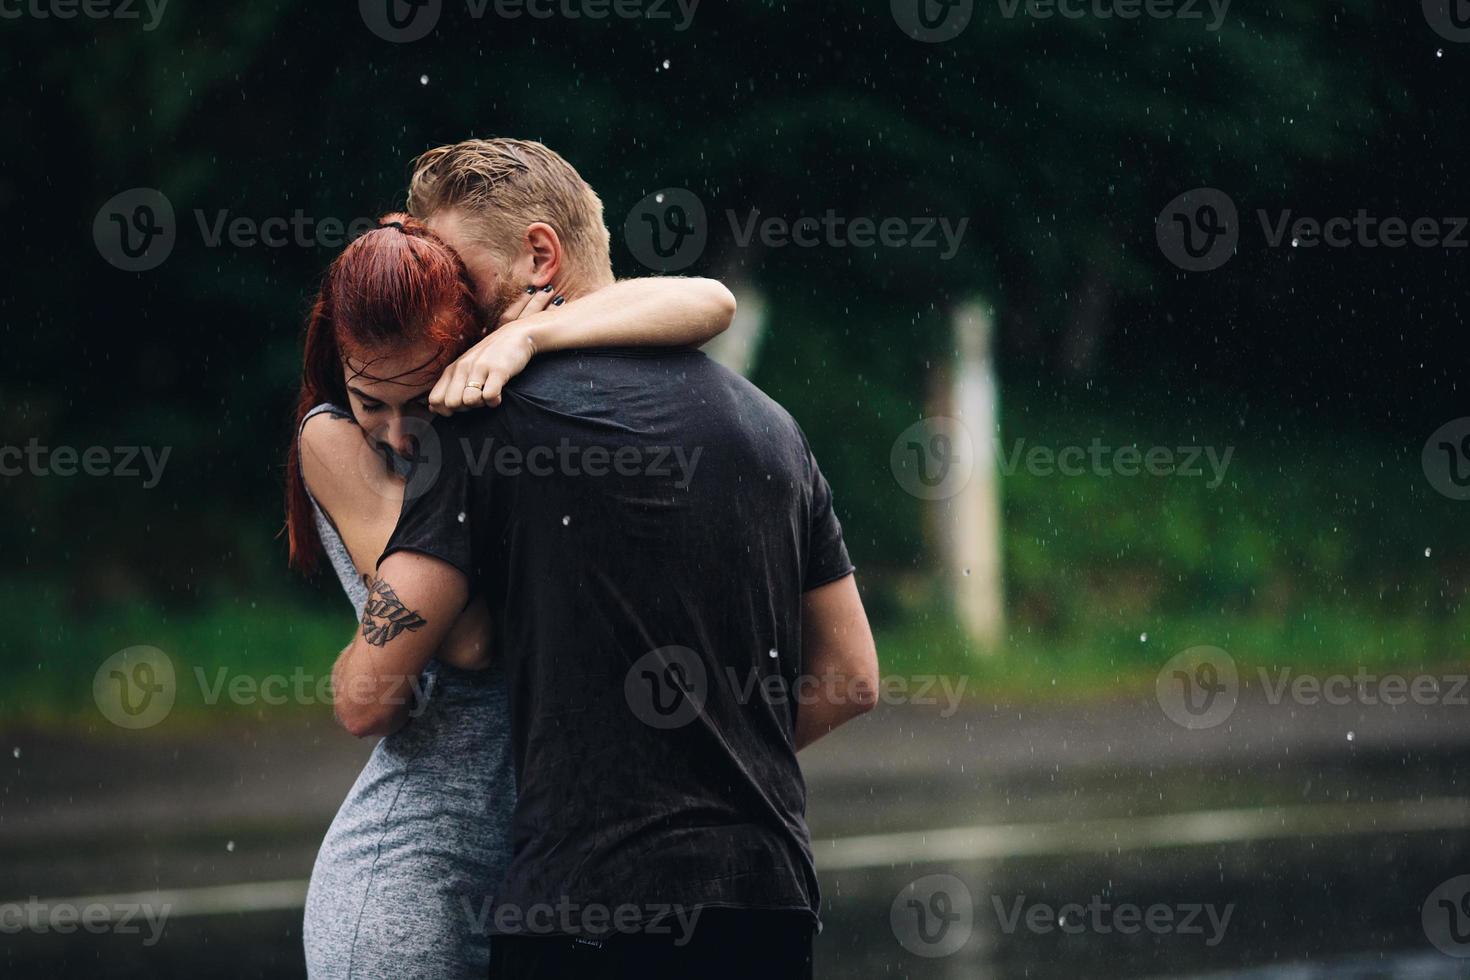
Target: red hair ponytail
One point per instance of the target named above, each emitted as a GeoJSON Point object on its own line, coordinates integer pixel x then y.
{"type": "Point", "coordinates": [397, 284]}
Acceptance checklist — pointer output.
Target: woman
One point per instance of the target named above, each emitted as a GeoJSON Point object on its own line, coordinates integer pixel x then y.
{"type": "Point", "coordinates": [403, 881]}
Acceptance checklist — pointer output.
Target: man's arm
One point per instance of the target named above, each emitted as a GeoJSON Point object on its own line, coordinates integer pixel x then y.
{"type": "Point", "coordinates": [837, 646]}
{"type": "Point", "coordinates": [411, 607]}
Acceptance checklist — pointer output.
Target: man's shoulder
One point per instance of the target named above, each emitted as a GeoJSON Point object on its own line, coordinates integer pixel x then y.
{"type": "Point", "coordinates": [604, 383]}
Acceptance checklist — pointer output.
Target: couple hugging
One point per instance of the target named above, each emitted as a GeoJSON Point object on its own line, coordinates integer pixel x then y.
{"type": "Point", "coordinates": [576, 658]}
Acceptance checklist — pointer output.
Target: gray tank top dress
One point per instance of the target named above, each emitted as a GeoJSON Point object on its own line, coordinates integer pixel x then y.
{"type": "Point", "coordinates": [404, 879]}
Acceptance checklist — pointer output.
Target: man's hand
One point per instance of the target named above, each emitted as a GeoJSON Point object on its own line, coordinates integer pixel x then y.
{"type": "Point", "coordinates": [411, 606]}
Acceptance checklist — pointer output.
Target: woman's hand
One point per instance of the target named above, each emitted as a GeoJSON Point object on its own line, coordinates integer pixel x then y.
{"type": "Point", "coordinates": [476, 377]}
{"type": "Point", "coordinates": [475, 380]}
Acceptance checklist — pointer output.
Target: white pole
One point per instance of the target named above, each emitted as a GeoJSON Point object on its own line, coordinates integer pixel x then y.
{"type": "Point", "coordinates": [972, 540]}
{"type": "Point", "coordinates": [738, 347]}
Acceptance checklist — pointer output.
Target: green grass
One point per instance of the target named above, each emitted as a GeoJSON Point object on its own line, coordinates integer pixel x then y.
{"type": "Point", "coordinates": [49, 667]}
{"type": "Point", "coordinates": [49, 676]}
{"type": "Point", "coordinates": [1102, 658]}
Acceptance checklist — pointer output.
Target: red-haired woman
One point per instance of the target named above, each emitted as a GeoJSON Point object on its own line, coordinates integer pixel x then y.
{"type": "Point", "coordinates": [403, 880]}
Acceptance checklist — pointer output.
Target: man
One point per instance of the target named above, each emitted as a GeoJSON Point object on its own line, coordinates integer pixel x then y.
{"type": "Point", "coordinates": [671, 598]}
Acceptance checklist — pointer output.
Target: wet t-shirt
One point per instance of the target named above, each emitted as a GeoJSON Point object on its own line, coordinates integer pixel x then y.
{"type": "Point", "coordinates": [642, 525]}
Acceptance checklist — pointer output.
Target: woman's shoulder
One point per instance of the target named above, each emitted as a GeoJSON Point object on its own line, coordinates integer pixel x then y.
{"type": "Point", "coordinates": [337, 462]}
{"type": "Point", "coordinates": [328, 437]}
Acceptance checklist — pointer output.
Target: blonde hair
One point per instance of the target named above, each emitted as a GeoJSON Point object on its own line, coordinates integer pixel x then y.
{"type": "Point", "coordinates": [500, 186]}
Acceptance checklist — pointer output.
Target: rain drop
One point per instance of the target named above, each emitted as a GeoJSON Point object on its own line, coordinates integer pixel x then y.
{"type": "Point", "coordinates": [230, 846]}
{"type": "Point", "coordinates": [773, 657]}
{"type": "Point", "coordinates": [423, 79]}
{"type": "Point", "coordinates": [16, 751]}
{"type": "Point", "coordinates": [1439, 53]}
{"type": "Point", "coordinates": [666, 63]}
{"type": "Point", "coordinates": [1296, 242]}
{"type": "Point", "coordinates": [460, 517]}
{"type": "Point", "coordinates": [1349, 736]}
{"type": "Point", "coordinates": [565, 521]}
{"type": "Point", "coordinates": [1426, 552]}
{"type": "Point", "coordinates": [1142, 637]}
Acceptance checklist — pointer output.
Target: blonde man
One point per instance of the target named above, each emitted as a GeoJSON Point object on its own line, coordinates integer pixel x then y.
{"type": "Point", "coordinates": [671, 599]}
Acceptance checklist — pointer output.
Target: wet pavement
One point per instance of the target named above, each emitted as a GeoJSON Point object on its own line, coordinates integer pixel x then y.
{"type": "Point", "coordinates": [1095, 840]}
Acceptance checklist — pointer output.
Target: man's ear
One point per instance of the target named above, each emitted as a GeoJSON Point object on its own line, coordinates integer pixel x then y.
{"type": "Point", "coordinates": [544, 247]}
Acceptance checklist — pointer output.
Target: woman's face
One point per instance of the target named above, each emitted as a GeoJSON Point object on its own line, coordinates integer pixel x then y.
{"type": "Point", "coordinates": [388, 391]}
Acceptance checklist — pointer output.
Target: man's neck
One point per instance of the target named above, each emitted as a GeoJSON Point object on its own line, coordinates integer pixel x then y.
{"type": "Point", "coordinates": [577, 286]}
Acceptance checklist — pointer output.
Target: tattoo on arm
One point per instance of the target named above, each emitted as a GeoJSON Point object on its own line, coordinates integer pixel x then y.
{"type": "Point", "coordinates": [384, 615]}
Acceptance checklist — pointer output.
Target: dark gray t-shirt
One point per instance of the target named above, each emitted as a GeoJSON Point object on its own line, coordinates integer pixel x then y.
{"type": "Point", "coordinates": [642, 525]}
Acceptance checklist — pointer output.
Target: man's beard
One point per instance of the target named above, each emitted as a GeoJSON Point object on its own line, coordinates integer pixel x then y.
{"type": "Point", "coordinates": [506, 293]}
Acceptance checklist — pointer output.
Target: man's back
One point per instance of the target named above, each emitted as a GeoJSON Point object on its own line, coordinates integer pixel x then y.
{"type": "Point", "coordinates": [643, 526]}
